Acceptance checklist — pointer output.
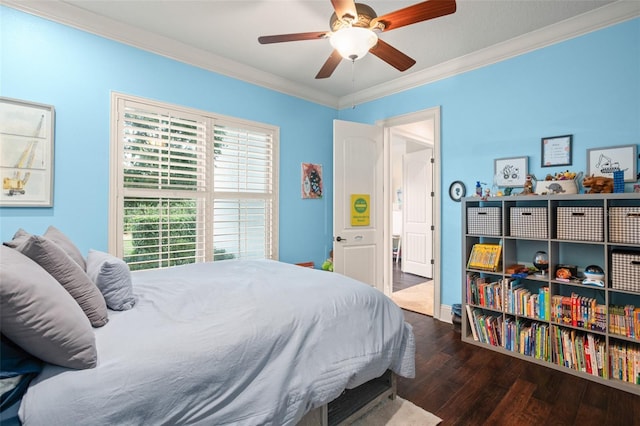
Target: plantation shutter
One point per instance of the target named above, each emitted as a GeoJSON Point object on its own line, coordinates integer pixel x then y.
{"type": "Point", "coordinates": [192, 187]}
{"type": "Point", "coordinates": [164, 186]}
{"type": "Point", "coordinates": [244, 195]}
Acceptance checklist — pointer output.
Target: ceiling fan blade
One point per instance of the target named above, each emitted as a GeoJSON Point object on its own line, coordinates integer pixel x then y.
{"type": "Point", "coordinates": [330, 65]}
{"type": "Point", "coordinates": [392, 56]}
{"type": "Point", "coordinates": [345, 7]}
{"type": "Point", "coordinates": [417, 13]}
{"type": "Point", "coordinates": [292, 37]}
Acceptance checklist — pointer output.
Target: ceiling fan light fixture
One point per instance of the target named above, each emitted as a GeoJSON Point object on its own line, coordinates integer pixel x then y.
{"type": "Point", "coordinates": [353, 42]}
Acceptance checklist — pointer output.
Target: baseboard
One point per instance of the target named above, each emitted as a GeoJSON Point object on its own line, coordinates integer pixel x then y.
{"type": "Point", "coordinates": [445, 314]}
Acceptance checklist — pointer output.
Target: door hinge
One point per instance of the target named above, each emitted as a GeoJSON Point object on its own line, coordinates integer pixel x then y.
{"type": "Point", "coordinates": [433, 194]}
{"type": "Point", "coordinates": [433, 261]}
{"type": "Point", "coordinates": [432, 160]}
{"type": "Point", "coordinates": [433, 228]}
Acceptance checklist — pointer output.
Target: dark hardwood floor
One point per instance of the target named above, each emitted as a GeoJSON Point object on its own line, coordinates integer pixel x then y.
{"type": "Point", "coordinates": [403, 280]}
{"type": "Point", "coordinates": [467, 385]}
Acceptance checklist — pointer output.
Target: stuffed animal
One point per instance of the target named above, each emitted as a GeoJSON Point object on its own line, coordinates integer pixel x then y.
{"type": "Point", "coordinates": [598, 184]}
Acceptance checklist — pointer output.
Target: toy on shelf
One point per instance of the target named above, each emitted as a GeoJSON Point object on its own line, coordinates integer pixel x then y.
{"type": "Point", "coordinates": [541, 262]}
{"type": "Point", "coordinates": [598, 184]}
{"type": "Point", "coordinates": [528, 185]}
{"type": "Point", "coordinates": [593, 275]}
{"type": "Point", "coordinates": [561, 183]}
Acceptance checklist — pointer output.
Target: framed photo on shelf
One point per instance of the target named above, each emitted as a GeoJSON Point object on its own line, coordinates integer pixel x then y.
{"type": "Point", "coordinates": [26, 153]}
{"type": "Point", "coordinates": [556, 151]}
{"type": "Point", "coordinates": [511, 172]}
{"type": "Point", "coordinates": [605, 161]}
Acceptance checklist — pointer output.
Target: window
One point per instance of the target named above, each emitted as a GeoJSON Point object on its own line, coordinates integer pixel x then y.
{"type": "Point", "coordinates": [189, 186]}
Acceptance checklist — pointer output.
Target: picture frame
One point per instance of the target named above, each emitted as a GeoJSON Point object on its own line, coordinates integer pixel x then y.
{"type": "Point", "coordinates": [604, 161]}
{"type": "Point", "coordinates": [311, 181]}
{"type": "Point", "coordinates": [457, 190]}
{"type": "Point", "coordinates": [511, 172]}
{"type": "Point", "coordinates": [26, 153]}
{"type": "Point", "coordinates": [556, 151]}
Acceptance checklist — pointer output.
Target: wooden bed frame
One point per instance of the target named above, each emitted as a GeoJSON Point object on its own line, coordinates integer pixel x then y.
{"type": "Point", "coordinates": [353, 403]}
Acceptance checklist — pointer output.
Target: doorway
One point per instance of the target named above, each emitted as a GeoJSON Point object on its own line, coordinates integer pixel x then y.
{"type": "Point", "coordinates": [413, 271]}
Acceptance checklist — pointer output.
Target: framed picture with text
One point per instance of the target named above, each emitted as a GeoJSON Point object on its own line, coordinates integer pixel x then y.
{"type": "Point", "coordinates": [26, 153]}
{"type": "Point", "coordinates": [556, 151]}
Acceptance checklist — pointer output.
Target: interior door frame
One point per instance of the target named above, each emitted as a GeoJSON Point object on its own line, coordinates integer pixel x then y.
{"type": "Point", "coordinates": [423, 115]}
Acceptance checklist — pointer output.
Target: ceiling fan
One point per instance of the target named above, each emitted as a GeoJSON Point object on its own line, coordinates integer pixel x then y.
{"type": "Point", "coordinates": [355, 28]}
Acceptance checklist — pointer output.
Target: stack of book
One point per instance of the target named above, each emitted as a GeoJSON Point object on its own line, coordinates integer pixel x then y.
{"type": "Point", "coordinates": [486, 328]}
{"type": "Point", "coordinates": [519, 300]}
{"type": "Point", "coordinates": [483, 293]}
{"type": "Point", "coordinates": [625, 362]}
{"type": "Point", "coordinates": [625, 321]}
{"type": "Point", "coordinates": [579, 311]}
{"type": "Point", "coordinates": [579, 351]}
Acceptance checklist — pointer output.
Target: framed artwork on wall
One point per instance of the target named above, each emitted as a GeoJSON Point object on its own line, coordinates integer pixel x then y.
{"type": "Point", "coordinates": [511, 172]}
{"type": "Point", "coordinates": [311, 185]}
{"type": "Point", "coordinates": [26, 153]}
{"type": "Point", "coordinates": [556, 151]}
{"type": "Point", "coordinates": [605, 161]}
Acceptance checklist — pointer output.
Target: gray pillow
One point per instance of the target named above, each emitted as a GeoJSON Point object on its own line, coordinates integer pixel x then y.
{"type": "Point", "coordinates": [56, 262]}
{"type": "Point", "coordinates": [38, 315]}
{"type": "Point", "coordinates": [18, 238]}
{"type": "Point", "coordinates": [112, 276]}
{"type": "Point", "coordinates": [55, 235]}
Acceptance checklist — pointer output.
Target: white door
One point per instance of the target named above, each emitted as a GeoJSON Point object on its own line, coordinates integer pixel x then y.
{"type": "Point", "coordinates": [357, 201]}
{"type": "Point", "coordinates": [417, 239]}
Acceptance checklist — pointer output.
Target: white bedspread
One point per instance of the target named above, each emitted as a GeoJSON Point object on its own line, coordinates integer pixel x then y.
{"type": "Point", "coordinates": [231, 342]}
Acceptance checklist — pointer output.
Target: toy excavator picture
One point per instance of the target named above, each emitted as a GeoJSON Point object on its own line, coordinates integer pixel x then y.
{"type": "Point", "coordinates": [16, 184]}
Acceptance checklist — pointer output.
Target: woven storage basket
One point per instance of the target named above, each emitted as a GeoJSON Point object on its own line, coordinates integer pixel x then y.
{"type": "Point", "coordinates": [624, 225]}
{"type": "Point", "coordinates": [529, 222]}
{"type": "Point", "coordinates": [484, 221]}
{"type": "Point", "coordinates": [625, 270]}
{"type": "Point", "coordinates": [580, 223]}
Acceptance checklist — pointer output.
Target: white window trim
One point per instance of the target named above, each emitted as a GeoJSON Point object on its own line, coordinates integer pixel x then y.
{"type": "Point", "coordinates": [116, 197]}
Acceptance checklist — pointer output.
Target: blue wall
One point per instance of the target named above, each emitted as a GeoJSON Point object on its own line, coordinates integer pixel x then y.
{"type": "Point", "coordinates": [76, 72]}
{"type": "Point", "coordinates": [588, 87]}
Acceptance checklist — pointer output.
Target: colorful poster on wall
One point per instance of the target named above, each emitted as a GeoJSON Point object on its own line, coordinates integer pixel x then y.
{"type": "Point", "coordinates": [360, 209]}
{"type": "Point", "coordinates": [311, 180]}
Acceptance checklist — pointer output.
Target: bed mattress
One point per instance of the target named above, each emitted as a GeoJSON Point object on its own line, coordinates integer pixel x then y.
{"type": "Point", "coordinates": [230, 342]}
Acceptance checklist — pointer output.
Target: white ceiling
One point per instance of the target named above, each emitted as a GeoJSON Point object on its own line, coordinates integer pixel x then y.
{"type": "Point", "coordinates": [222, 36]}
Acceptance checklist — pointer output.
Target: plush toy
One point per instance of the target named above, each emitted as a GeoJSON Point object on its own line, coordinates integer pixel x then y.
{"type": "Point", "coordinates": [598, 184]}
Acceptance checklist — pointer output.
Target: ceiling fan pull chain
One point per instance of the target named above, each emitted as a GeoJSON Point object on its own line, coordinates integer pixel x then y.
{"type": "Point", "coordinates": [353, 83]}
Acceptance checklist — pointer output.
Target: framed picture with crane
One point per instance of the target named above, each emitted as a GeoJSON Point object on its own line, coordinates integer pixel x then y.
{"type": "Point", "coordinates": [26, 153]}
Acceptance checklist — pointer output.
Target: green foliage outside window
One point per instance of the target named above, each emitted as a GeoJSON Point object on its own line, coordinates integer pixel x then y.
{"type": "Point", "coordinates": [163, 233]}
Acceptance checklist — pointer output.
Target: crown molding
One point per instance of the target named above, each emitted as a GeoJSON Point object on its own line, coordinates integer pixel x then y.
{"type": "Point", "coordinates": [69, 15]}
{"type": "Point", "coordinates": [605, 16]}
{"type": "Point", "coordinates": [64, 13]}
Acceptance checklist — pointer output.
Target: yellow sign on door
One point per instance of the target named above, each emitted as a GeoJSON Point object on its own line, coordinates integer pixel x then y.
{"type": "Point", "coordinates": [360, 209]}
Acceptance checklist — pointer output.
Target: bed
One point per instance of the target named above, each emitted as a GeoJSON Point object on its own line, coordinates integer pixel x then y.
{"type": "Point", "coordinates": [228, 342]}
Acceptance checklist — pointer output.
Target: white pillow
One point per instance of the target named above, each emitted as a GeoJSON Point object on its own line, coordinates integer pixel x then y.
{"type": "Point", "coordinates": [113, 277]}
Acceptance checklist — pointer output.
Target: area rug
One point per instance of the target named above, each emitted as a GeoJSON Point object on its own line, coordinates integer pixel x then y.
{"type": "Point", "coordinates": [417, 298]}
{"type": "Point", "coordinates": [397, 412]}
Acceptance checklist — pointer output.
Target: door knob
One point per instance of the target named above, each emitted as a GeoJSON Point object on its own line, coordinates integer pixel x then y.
{"type": "Point", "coordinates": [338, 239]}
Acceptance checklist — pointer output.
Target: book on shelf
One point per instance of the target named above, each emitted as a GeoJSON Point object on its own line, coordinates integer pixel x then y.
{"type": "Point", "coordinates": [472, 324]}
{"type": "Point", "coordinates": [483, 293]}
{"type": "Point", "coordinates": [625, 361]}
{"type": "Point", "coordinates": [485, 256]}
{"type": "Point", "coordinates": [625, 321]}
{"type": "Point", "coordinates": [577, 311]}
{"type": "Point", "coordinates": [578, 350]}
